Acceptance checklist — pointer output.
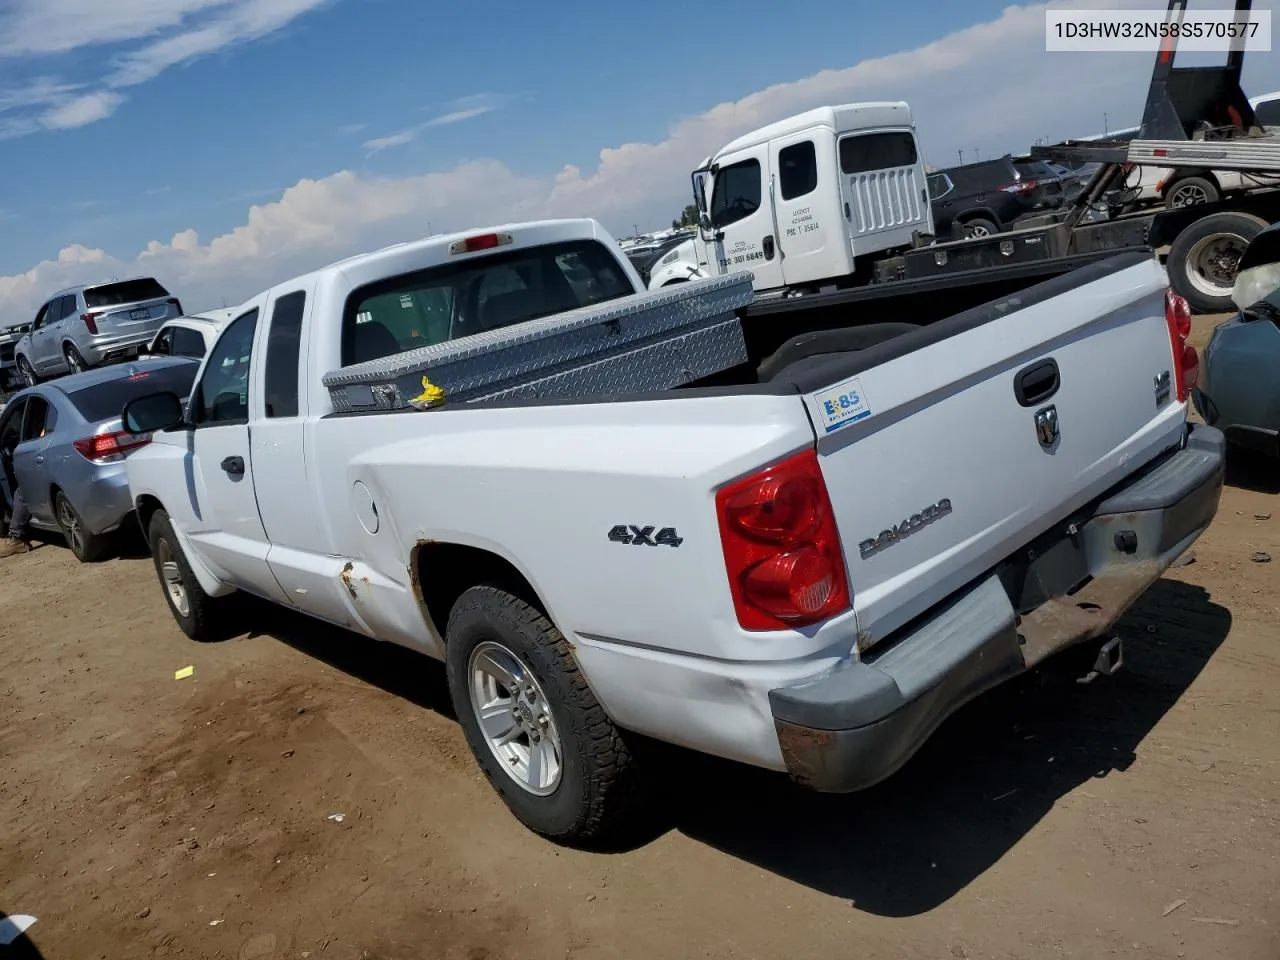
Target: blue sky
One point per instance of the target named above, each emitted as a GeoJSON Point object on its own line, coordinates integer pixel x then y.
{"type": "Point", "coordinates": [126, 122]}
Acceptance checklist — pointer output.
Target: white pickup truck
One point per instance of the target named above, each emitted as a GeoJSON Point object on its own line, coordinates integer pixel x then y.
{"type": "Point", "coordinates": [807, 572]}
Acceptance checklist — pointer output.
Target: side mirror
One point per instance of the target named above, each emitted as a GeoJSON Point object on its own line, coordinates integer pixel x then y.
{"type": "Point", "coordinates": [156, 411]}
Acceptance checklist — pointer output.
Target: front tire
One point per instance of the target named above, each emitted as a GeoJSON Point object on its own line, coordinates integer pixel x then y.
{"type": "Point", "coordinates": [87, 547]}
{"type": "Point", "coordinates": [200, 616]}
{"type": "Point", "coordinates": [28, 373]}
{"type": "Point", "coordinates": [1204, 257]}
{"type": "Point", "coordinates": [532, 723]}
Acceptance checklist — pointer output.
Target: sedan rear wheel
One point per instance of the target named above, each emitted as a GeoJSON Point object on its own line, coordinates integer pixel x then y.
{"type": "Point", "coordinates": [87, 547]}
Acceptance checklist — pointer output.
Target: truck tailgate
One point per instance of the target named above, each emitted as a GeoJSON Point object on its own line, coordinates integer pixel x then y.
{"type": "Point", "coordinates": [948, 449]}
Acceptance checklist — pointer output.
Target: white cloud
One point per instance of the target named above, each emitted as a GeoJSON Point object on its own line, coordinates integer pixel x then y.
{"type": "Point", "coordinates": [391, 140]}
{"type": "Point", "coordinates": [237, 21]}
{"type": "Point", "coordinates": [81, 111]}
{"type": "Point", "coordinates": [157, 35]}
{"type": "Point", "coordinates": [56, 26]}
{"type": "Point", "coordinates": [464, 108]}
{"type": "Point", "coordinates": [990, 86]}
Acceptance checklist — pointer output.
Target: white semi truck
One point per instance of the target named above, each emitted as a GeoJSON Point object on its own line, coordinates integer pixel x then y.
{"type": "Point", "coordinates": [810, 201]}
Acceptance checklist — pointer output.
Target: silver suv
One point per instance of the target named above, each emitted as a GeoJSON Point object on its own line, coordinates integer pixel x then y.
{"type": "Point", "coordinates": [82, 327]}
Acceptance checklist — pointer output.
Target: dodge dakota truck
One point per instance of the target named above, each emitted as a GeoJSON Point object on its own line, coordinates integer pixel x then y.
{"type": "Point", "coordinates": [804, 564]}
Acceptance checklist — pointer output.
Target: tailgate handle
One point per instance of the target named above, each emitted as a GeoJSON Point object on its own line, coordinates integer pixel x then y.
{"type": "Point", "coordinates": [1037, 383]}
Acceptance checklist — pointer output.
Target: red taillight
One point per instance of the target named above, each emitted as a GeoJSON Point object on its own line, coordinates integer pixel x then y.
{"type": "Point", "coordinates": [1022, 186]}
{"type": "Point", "coordinates": [106, 447]}
{"type": "Point", "coordinates": [90, 323]}
{"type": "Point", "coordinates": [177, 304]}
{"type": "Point", "coordinates": [781, 547]}
{"type": "Point", "coordinates": [1186, 362]}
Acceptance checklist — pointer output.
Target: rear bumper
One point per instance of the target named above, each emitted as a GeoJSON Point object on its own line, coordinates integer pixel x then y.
{"type": "Point", "coordinates": [100, 349]}
{"type": "Point", "coordinates": [102, 499]}
{"type": "Point", "coordinates": [859, 722]}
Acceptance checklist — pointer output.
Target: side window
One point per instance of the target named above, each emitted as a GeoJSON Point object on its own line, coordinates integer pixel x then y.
{"type": "Point", "coordinates": [283, 344]}
{"type": "Point", "coordinates": [799, 170]}
{"type": "Point", "coordinates": [222, 395]}
{"type": "Point", "coordinates": [164, 343]}
{"type": "Point", "coordinates": [38, 419]}
{"type": "Point", "coordinates": [186, 342]}
{"type": "Point", "coordinates": [69, 308]}
{"type": "Point", "coordinates": [41, 318]}
{"type": "Point", "coordinates": [55, 312]}
{"type": "Point", "coordinates": [939, 186]}
{"type": "Point", "coordinates": [11, 428]}
{"type": "Point", "coordinates": [865, 152]}
{"type": "Point", "coordinates": [736, 194]}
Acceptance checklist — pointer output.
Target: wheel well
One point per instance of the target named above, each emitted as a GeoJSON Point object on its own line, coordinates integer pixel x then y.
{"type": "Point", "coordinates": [1180, 175]}
{"type": "Point", "coordinates": [146, 508]}
{"type": "Point", "coordinates": [676, 280]}
{"type": "Point", "coordinates": [975, 214]}
{"type": "Point", "coordinates": [442, 572]}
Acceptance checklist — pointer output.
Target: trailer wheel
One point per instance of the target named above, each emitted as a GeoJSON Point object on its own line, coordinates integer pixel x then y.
{"type": "Point", "coordinates": [1190, 192]}
{"type": "Point", "coordinates": [1204, 257]}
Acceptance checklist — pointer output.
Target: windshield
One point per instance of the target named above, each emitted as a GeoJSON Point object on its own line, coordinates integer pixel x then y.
{"type": "Point", "coordinates": [104, 401]}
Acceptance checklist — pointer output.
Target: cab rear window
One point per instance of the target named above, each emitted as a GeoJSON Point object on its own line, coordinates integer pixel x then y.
{"type": "Point", "coordinates": [456, 300]}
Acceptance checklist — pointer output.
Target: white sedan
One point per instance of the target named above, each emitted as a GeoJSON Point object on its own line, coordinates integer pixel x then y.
{"type": "Point", "coordinates": [190, 336]}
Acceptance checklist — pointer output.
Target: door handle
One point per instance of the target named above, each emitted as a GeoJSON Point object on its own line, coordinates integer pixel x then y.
{"type": "Point", "coordinates": [39, 459]}
{"type": "Point", "coordinates": [768, 248]}
{"type": "Point", "coordinates": [233, 466]}
{"type": "Point", "coordinates": [1037, 383]}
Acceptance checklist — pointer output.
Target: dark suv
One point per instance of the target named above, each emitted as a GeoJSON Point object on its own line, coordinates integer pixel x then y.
{"type": "Point", "coordinates": [979, 199]}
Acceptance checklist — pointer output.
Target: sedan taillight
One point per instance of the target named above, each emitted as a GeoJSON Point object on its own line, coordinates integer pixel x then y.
{"type": "Point", "coordinates": [109, 447]}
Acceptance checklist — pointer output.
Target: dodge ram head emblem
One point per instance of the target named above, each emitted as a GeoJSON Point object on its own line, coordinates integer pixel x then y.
{"type": "Point", "coordinates": [1047, 426]}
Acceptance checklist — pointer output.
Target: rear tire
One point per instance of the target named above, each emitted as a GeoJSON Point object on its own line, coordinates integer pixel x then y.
{"type": "Point", "coordinates": [1203, 258]}
{"type": "Point", "coordinates": [87, 547]}
{"type": "Point", "coordinates": [979, 227]}
{"type": "Point", "coordinates": [507, 661]}
{"type": "Point", "coordinates": [75, 362]}
{"type": "Point", "coordinates": [201, 617]}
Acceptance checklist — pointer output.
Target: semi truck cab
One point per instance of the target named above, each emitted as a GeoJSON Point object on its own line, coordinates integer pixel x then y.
{"type": "Point", "coordinates": [810, 200]}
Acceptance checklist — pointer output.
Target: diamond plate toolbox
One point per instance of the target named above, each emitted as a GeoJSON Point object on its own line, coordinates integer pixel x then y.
{"type": "Point", "coordinates": [653, 340]}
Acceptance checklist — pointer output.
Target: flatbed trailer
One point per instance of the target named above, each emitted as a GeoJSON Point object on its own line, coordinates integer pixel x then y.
{"type": "Point", "coordinates": [1205, 106]}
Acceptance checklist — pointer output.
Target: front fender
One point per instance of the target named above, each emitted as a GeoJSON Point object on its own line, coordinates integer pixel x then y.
{"type": "Point", "coordinates": [677, 266]}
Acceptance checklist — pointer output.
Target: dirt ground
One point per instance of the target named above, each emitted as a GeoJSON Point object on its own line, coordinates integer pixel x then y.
{"type": "Point", "coordinates": [143, 816]}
